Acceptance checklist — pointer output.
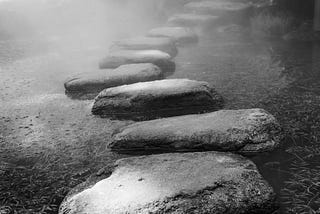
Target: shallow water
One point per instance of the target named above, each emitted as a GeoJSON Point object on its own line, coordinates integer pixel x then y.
{"type": "Point", "coordinates": [50, 143]}
{"type": "Point", "coordinates": [282, 78]}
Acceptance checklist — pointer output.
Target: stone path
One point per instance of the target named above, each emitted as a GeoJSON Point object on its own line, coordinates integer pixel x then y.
{"type": "Point", "coordinates": [181, 35]}
{"type": "Point", "coordinates": [147, 43]}
{"type": "Point", "coordinates": [208, 182]}
{"type": "Point", "coordinates": [163, 98]}
{"type": "Point", "coordinates": [244, 131]}
{"type": "Point", "coordinates": [192, 20]}
{"type": "Point", "coordinates": [217, 8]}
{"type": "Point", "coordinates": [123, 57]}
{"type": "Point", "coordinates": [194, 182]}
{"type": "Point", "coordinates": [89, 85]}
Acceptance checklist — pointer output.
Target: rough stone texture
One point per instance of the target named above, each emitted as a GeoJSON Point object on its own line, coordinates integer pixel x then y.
{"type": "Point", "coordinates": [246, 131]}
{"type": "Point", "coordinates": [162, 98]}
{"type": "Point", "coordinates": [192, 20]}
{"type": "Point", "coordinates": [122, 57]}
{"type": "Point", "coordinates": [88, 85]}
{"type": "Point", "coordinates": [147, 43]}
{"type": "Point", "coordinates": [203, 183]}
{"type": "Point", "coordinates": [181, 35]}
{"type": "Point", "coordinates": [227, 11]}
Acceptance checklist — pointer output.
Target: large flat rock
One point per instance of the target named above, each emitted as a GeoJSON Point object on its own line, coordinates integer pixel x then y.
{"type": "Point", "coordinates": [123, 57]}
{"type": "Point", "coordinates": [202, 183]}
{"type": "Point", "coordinates": [181, 35]}
{"type": "Point", "coordinates": [147, 43]}
{"type": "Point", "coordinates": [224, 9]}
{"type": "Point", "coordinates": [245, 131]}
{"type": "Point", "coordinates": [192, 20]}
{"type": "Point", "coordinates": [155, 99]}
{"type": "Point", "coordinates": [88, 85]}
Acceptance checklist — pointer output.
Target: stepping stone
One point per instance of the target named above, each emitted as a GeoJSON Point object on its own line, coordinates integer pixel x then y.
{"type": "Point", "coordinates": [226, 9]}
{"type": "Point", "coordinates": [88, 85]}
{"type": "Point", "coordinates": [147, 43]}
{"type": "Point", "coordinates": [208, 182]}
{"type": "Point", "coordinates": [245, 131]}
{"type": "Point", "coordinates": [192, 20]}
{"type": "Point", "coordinates": [181, 35]}
{"type": "Point", "coordinates": [123, 57]}
{"type": "Point", "coordinates": [155, 99]}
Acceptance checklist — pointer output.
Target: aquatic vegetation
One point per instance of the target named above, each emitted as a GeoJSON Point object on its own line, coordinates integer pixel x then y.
{"type": "Point", "coordinates": [297, 108]}
{"type": "Point", "coordinates": [302, 191]}
{"type": "Point", "coordinates": [271, 25]}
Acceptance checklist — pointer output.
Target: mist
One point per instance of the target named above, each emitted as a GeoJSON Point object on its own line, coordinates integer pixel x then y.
{"type": "Point", "coordinates": [81, 23]}
{"type": "Point", "coordinates": [79, 92]}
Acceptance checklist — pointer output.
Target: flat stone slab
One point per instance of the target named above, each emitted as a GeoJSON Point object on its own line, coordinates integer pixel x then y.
{"type": "Point", "coordinates": [147, 43]}
{"type": "Point", "coordinates": [217, 8]}
{"type": "Point", "coordinates": [88, 85]}
{"type": "Point", "coordinates": [192, 20]}
{"type": "Point", "coordinates": [123, 57]}
{"type": "Point", "coordinates": [202, 183]}
{"type": "Point", "coordinates": [181, 35]}
{"type": "Point", "coordinates": [156, 99]}
{"type": "Point", "coordinates": [245, 131]}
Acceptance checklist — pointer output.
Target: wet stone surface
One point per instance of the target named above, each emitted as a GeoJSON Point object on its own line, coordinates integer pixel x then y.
{"type": "Point", "coordinates": [90, 84]}
{"type": "Point", "coordinates": [227, 11]}
{"type": "Point", "coordinates": [249, 131]}
{"type": "Point", "coordinates": [174, 183]}
{"type": "Point", "coordinates": [181, 35]}
{"type": "Point", "coordinates": [123, 57]}
{"type": "Point", "coordinates": [156, 99]}
{"type": "Point", "coordinates": [216, 8]}
{"type": "Point", "coordinates": [147, 43]}
{"type": "Point", "coordinates": [192, 20]}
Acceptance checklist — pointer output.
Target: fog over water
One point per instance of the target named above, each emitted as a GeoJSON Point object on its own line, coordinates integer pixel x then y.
{"type": "Point", "coordinates": [77, 22]}
{"type": "Point", "coordinates": [56, 143]}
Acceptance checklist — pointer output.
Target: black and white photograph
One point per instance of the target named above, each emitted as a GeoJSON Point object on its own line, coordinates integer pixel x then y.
{"type": "Point", "coordinates": [159, 106]}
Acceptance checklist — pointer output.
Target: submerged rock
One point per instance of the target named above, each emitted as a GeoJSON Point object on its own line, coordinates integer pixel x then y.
{"type": "Point", "coordinates": [245, 131]}
{"type": "Point", "coordinates": [162, 98]}
{"type": "Point", "coordinates": [88, 85]}
{"type": "Point", "coordinates": [123, 57]}
{"type": "Point", "coordinates": [203, 183]}
{"type": "Point", "coordinates": [192, 20]}
{"type": "Point", "coordinates": [147, 43]}
{"type": "Point", "coordinates": [181, 35]}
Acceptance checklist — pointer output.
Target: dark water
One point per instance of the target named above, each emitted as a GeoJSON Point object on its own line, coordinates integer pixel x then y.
{"type": "Point", "coordinates": [46, 134]}
{"type": "Point", "coordinates": [282, 78]}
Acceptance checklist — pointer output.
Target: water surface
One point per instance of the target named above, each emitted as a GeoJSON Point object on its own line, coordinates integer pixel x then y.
{"type": "Point", "coordinates": [50, 143]}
